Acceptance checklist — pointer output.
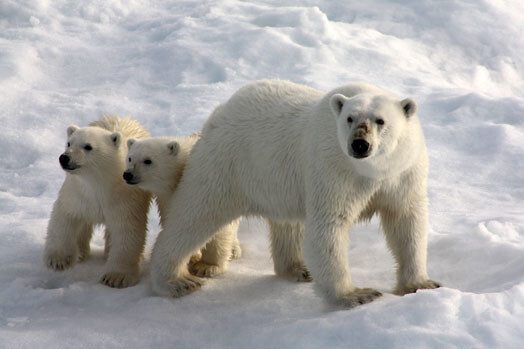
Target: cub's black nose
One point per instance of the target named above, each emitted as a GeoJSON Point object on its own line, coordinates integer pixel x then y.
{"type": "Point", "coordinates": [360, 148]}
{"type": "Point", "coordinates": [128, 176]}
{"type": "Point", "coordinates": [64, 160]}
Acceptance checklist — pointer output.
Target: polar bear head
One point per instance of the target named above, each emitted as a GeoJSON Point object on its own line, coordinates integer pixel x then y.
{"type": "Point", "coordinates": [154, 164]}
{"type": "Point", "coordinates": [90, 149]}
{"type": "Point", "coordinates": [377, 131]}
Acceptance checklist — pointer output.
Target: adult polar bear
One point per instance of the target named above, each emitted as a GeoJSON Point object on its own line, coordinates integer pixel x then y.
{"type": "Point", "coordinates": [295, 155]}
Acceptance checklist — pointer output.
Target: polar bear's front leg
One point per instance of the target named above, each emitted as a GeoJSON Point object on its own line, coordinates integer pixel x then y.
{"type": "Point", "coordinates": [127, 245]}
{"type": "Point", "coordinates": [326, 246]}
{"type": "Point", "coordinates": [406, 234]}
{"type": "Point", "coordinates": [61, 246]}
{"type": "Point", "coordinates": [217, 252]}
{"type": "Point", "coordinates": [84, 239]}
{"type": "Point", "coordinates": [107, 245]}
{"type": "Point", "coordinates": [286, 250]}
{"type": "Point", "coordinates": [236, 249]}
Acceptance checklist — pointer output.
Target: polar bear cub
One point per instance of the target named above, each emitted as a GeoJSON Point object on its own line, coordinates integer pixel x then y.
{"type": "Point", "coordinates": [156, 164]}
{"type": "Point", "coordinates": [95, 193]}
{"type": "Point", "coordinates": [322, 161]}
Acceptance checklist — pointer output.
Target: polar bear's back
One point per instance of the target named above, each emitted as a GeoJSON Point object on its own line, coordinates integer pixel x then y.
{"type": "Point", "coordinates": [271, 99]}
{"type": "Point", "coordinates": [263, 109]}
{"type": "Point", "coordinates": [128, 127]}
{"type": "Point", "coordinates": [255, 139]}
{"type": "Point", "coordinates": [262, 119]}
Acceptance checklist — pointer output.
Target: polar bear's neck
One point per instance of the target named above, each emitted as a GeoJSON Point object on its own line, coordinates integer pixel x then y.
{"type": "Point", "coordinates": [163, 195]}
{"type": "Point", "coordinates": [164, 192]}
{"type": "Point", "coordinates": [162, 200]}
{"type": "Point", "coordinates": [95, 178]}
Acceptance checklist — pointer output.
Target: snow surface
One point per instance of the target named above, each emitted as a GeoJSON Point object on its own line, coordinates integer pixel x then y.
{"type": "Point", "coordinates": [168, 64]}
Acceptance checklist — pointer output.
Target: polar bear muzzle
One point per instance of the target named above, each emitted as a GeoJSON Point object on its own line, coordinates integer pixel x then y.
{"type": "Point", "coordinates": [130, 178]}
{"type": "Point", "coordinates": [360, 148]}
{"type": "Point", "coordinates": [66, 163]}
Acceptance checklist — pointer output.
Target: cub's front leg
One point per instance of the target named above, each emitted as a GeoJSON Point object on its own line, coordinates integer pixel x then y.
{"type": "Point", "coordinates": [61, 247]}
{"type": "Point", "coordinates": [217, 252]}
{"type": "Point", "coordinates": [127, 243]}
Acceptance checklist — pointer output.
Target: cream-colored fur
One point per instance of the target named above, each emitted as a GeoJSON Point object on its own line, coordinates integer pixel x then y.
{"type": "Point", "coordinates": [156, 165]}
{"type": "Point", "coordinates": [95, 193]}
{"type": "Point", "coordinates": [316, 162]}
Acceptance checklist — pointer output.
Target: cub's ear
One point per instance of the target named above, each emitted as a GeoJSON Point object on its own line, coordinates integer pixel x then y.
{"type": "Point", "coordinates": [116, 138]}
{"type": "Point", "coordinates": [336, 103]}
{"type": "Point", "coordinates": [130, 142]}
{"type": "Point", "coordinates": [71, 129]}
{"type": "Point", "coordinates": [173, 147]}
{"type": "Point", "coordinates": [409, 106]}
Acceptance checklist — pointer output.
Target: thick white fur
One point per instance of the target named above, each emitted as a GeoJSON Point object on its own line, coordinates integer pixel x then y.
{"type": "Point", "coordinates": [95, 193]}
{"type": "Point", "coordinates": [282, 151]}
{"type": "Point", "coordinates": [156, 165]}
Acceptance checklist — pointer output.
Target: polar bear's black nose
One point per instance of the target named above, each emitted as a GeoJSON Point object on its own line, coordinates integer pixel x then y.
{"type": "Point", "coordinates": [64, 160]}
{"type": "Point", "coordinates": [128, 176]}
{"type": "Point", "coordinates": [360, 148]}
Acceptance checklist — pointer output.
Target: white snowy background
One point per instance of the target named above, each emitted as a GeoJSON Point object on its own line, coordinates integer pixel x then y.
{"type": "Point", "coordinates": [168, 64]}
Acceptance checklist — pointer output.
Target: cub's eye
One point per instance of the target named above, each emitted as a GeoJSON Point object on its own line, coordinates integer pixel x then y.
{"type": "Point", "coordinates": [380, 121]}
{"type": "Point", "coordinates": [88, 147]}
{"type": "Point", "coordinates": [68, 144]}
{"type": "Point", "coordinates": [148, 161]}
{"type": "Point", "coordinates": [350, 119]}
{"type": "Point", "coordinates": [129, 159]}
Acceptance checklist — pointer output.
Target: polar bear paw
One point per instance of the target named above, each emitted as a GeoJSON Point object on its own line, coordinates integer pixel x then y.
{"type": "Point", "coordinates": [203, 269]}
{"type": "Point", "coordinates": [195, 258]}
{"type": "Point", "coordinates": [358, 297]}
{"type": "Point", "coordinates": [184, 285]}
{"type": "Point", "coordinates": [296, 272]}
{"type": "Point", "coordinates": [119, 279]}
{"type": "Point", "coordinates": [236, 251]}
{"type": "Point", "coordinates": [59, 261]}
{"type": "Point", "coordinates": [412, 288]}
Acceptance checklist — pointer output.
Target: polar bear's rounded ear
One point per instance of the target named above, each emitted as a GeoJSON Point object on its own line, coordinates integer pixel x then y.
{"type": "Point", "coordinates": [71, 129]}
{"type": "Point", "coordinates": [173, 147]}
{"type": "Point", "coordinates": [130, 142]}
{"type": "Point", "coordinates": [409, 106]}
{"type": "Point", "coordinates": [336, 103]}
{"type": "Point", "coordinates": [116, 138]}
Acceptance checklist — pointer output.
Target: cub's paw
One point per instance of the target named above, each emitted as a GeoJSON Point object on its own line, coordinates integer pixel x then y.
{"type": "Point", "coordinates": [119, 279]}
{"type": "Point", "coordinates": [195, 258]}
{"type": "Point", "coordinates": [59, 261]}
{"type": "Point", "coordinates": [203, 269]}
{"type": "Point", "coordinates": [184, 285]}
{"type": "Point", "coordinates": [412, 288]}
{"type": "Point", "coordinates": [358, 297]}
{"type": "Point", "coordinates": [236, 251]}
{"type": "Point", "coordinates": [295, 272]}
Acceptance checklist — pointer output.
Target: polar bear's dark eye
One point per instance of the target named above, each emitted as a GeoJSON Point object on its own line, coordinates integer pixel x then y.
{"type": "Point", "coordinates": [68, 144]}
{"type": "Point", "coordinates": [380, 121]}
{"type": "Point", "coordinates": [129, 159]}
{"type": "Point", "coordinates": [88, 147]}
{"type": "Point", "coordinates": [148, 161]}
{"type": "Point", "coordinates": [350, 119]}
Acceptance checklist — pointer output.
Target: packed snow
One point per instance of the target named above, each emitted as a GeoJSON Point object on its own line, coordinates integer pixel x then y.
{"type": "Point", "coordinates": [168, 64]}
